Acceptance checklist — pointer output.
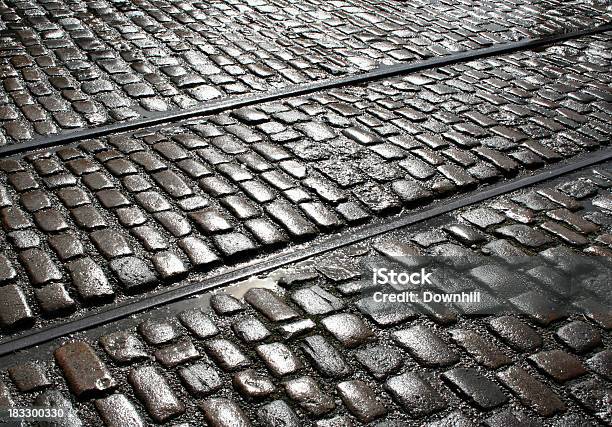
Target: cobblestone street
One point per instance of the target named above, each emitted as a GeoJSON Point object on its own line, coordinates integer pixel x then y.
{"type": "Point", "coordinates": [212, 266]}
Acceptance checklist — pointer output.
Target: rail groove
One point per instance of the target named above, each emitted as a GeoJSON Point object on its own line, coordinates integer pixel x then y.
{"type": "Point", "coordinates": [344, 238]}
{"type": "Point", "coordinates": [229, 103]}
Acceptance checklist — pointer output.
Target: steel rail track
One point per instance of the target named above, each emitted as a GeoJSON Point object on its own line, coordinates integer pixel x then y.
{"type": "Point", "coordinates": [343, 238]}
{"type": "Point", "coordinates": [229, 103]}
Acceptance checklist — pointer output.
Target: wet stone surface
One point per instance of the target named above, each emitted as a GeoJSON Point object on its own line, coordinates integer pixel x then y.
{"type": "Point", "coordinates": [123, 346]}
{"type": "Point", "coordinates": [415, 394]}
{"type": "Point", "coordinates": [96, 222]}
{"type": "Point", "coordinates": [278, 413]}
{"type": "Point", "coordinates": [69, 65]}
{"type": "Point", "coordinates": [85, 372]}
{"type": "Point", "coordinates": [221, 412]}
{"type": "Point", "coordinates": [251, 384]}
{"type": "Point", "coordinates": [155, 393]}
{"type": "Point", "coordinates": [117, 410]}
{"type": "Point", "coordinates": [304, 351]}
{"type": "Point", "coordinates": [532, 392]}
{"type": "Point", "coordinates": [132, 213]}
{"type": "Point", "coordinates": [29, 377]}
{"type": "Point", "coordinates": [200, 379]}
{"type": "Point", "coordinates": [426, 346]}
{"type": "Point", "coordinates": [483, 392]}
{"type": "Point", "coordinates": [361, 400]}
{"type": "Point", "coordinates": [306, 393]}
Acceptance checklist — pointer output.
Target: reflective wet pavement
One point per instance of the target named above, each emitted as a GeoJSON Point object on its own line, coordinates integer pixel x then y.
{"type": "Point", "coordinates": [232, 186]}
{"type": "Point", "coordinates": [108, 225]}
{"type": "Point", "coordinates": [306, 344]}
{"type": "Point", "coordinates": [68, 64]}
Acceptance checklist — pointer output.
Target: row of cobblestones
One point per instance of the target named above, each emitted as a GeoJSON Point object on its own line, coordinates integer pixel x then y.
{"type": "Point", "coordinates": [96, 222]}
{"type": "Point", "coordinates": [69, 64]}
{"type": "Point", "coordinates": [305, 345]}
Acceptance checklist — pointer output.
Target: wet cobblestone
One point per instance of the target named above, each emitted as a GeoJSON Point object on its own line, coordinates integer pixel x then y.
{"type": "Point", "coordinates": [69, 65]}
{"type": "Point", "coordinates": [266, 354]}
{"type": "Point", "coordinates": [108, 221]}
{"type": "Point", "coordinates": [221, 189]}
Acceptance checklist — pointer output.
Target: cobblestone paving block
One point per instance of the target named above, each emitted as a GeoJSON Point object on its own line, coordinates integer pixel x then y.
{"type": "Point", "coordinates": [29, 377]}
{"type": "Point", "coordinates": [278, 413]}
{"type": "Point", "coordinates": [55, 399]}
{"type": "Point", "coordinates": [221, 412]}
{"type": "Point", "coordinates": [560, 365]}
{"type": "Point", "coordinates": [380, 360]}
{"type": "Point", "coordinates": [325, 357]}
{"type": "Point", "coordinates": [251, 384]}
{"type": "Point", "coordinates": [426, 346]}
{"type": "Point", "coordinates": [483, 351]}
{"type": "Point", "coordinates": [516, 333]}
{"type": "Point", "coordinates": [250, 329]}
{"type": "Point", "coordinates": [414, 394]}
{"type": "Point", "coordinates": [227, 354]}
{"type": "Point", "coordinates": [267, 303]}
{"type": "Point", "coordinates": [15, 310]}
{"type": "Point", "coordinates": [225, 304]}
{"type": "Point", "coordinates": [123, 347]}
{"type": "Point", "coordinates": [579, 336]}
{"type": "Point", "coordinates": [483, 392]}
{"type": "Point", "coordinates": [279, 359]}
{"type": "Point", "coordinates": [155, 393]}
{"type": "Point", "coordinates": [117, 410]}
{"type": "Point", "coordinates": [349, 329]}
{"type": "Point", "coordinates": [84, 370]}
{"type": "Point", "coordinates": [158, 332]}
{"type": "Point", "coordinates": [531, 391]}
{"type": "Point", "coordinates": [200, 379]}
{"type": "Point", "coordinates": [306, 392]}
{"type": "Point", "coordinates": [600, 363]}
{"type": "Point", "coordinates": [361, 400]}
{"type": "Point", "coordinates": [177, 353]}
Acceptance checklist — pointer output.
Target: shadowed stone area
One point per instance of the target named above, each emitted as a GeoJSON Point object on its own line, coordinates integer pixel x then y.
{"type": "Point", "coordinates": [218, 270]}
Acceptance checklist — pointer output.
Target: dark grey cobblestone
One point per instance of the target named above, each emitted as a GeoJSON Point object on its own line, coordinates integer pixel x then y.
{"type": "Point", "coordinates": [69, 65]}
{"type": "Point", "coordinates": [484, 393]}
{"type": "Point", "coordinates": [531, 392]}
{"type": "Point", "coordinates": [29, 377]}
{"type": "Point", "coordinates": [414, 394]}
{"type": "Point", "coordinates": [117, 410]}
{"type": "Point", "coordinates": [558, 364]}
{"type": "Point", "coordinates": [252, 354]}
{"type": "Point", "coordinates": [155, 393]}
{"type": "Point", "coordinates": [94, 223]}
{"type": "Point", "coordinates": [140, 210]}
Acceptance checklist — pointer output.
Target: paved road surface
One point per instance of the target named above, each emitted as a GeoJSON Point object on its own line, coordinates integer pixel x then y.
{"type": "Point", "coordinates": [282, 206]}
